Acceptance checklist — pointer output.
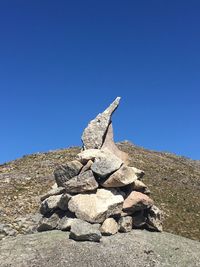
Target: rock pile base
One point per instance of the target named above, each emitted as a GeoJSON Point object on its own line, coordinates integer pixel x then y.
{"type": "Point", "coordinates": [99, 193]}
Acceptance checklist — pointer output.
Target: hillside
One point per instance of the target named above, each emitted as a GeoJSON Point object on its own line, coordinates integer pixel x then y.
{"type": "Point", "coordinates": [174, 183]}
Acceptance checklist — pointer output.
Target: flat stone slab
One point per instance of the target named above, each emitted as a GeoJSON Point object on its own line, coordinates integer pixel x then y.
{"type": "Point", "coordinates": [136, 248]}
{"type": "Point", "coordinates": [95, 208]}
{"type": "Point", "coordinates": [122, 177]}
{"type": "Point", "coordinates": [84, 182]}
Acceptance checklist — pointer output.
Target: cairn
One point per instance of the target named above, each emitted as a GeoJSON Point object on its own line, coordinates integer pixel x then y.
{"type": "Point", "coordinates": [99, 193]}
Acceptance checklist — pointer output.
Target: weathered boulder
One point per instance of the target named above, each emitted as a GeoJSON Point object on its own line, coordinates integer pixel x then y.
{"type": "Point", "coordinates": [95, 208]}
{"type": "Point", "coordinates": [155, 219]}
{"type": "Point", "coordinates": [84, 182]}
{"type": "Point", "coordinates": [106, 163]}
{"type": "Point", "coordinates": [109, 227]}
{"type": "Point", "coordinates": [65, 172]}
{"type": "Point", "coordinates": [110, 144]}
{"type": "Point", "coordinates": [125, 224]}
{"type": "Point", "coordinates": [53, 192]}
{"type": "Point", "coordinates": [124, 176]}
{"type": "Point", "coordinates": [48, 223]}
{"type": "Point", "coordinates": [137, 201]}
{"type": "Point", "coordinates": [84, 231]}
{"type": "Point", "coordinates": [94, 134]}
{"type": "Point", "coordinates": [49, 204]}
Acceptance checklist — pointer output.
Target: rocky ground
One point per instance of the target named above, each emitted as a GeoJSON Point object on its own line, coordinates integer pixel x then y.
{"type": "Point", "coordinates": [136, 249]}
{"type": "Point", "coordinates": [174, 183]}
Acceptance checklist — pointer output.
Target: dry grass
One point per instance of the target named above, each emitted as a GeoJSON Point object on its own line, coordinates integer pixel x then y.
{"type": "Point", "coordinates": [174, 183]}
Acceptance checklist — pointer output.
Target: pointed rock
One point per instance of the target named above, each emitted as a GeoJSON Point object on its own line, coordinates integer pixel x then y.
{"type": "Point", "coordinates": [84, 182]}
{"type": "Point", "coordinates": [137, 201]}
{"type": "Point", "coordinates": [94, 134]}
{"type": "Point", "coordinates": [65, 172]}
{"type": "Point", "coordinates": [110, 144]}
{"type": "Point", "coordinates": [95, 208]}
{"type": "Point", "coordinates": [124, 176]}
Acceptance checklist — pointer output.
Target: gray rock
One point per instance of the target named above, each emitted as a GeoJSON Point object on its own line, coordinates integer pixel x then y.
{"type": "Point", "coordinates": [48, 223]}
{"type": "Point", "coordinates": [65, 223]}
{"type": "Point", "coordinates": [84, 231]}
{"type": "Point", "coordinates": [95, 208]}
{"type": "Point", "coordinates": [125, 224]}
{"type": "Point", "coordinates": [94, 134]}
{"type": "Point", "coordinates": [65, 172]}
{"type": "Point", "coordinates": [155, 219]}
{"type": "Point", "coordinates": [63, 202]}
{"type": "Point", "coordinates": [106, 163]}
{"type": "Point", "coordinates": [109, 227]}
{"type": "Point", "coordinates": [53, 192]}
{"type": "Point", "coordinates": [49, 204]}
{"type": "Point", "coordinates": [84, 182]}
{"type": "Point", "coordinates": [137, 248]}
{"type": "Point", "coordinates": [122, 177]}
{"type": "Point", "coordinates": [110, 144]}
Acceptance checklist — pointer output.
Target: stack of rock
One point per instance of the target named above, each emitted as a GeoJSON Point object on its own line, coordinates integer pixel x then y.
{"type": "Point", "coordinates": [98, 193]}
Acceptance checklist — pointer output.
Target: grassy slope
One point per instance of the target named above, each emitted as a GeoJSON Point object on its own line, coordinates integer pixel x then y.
{"type": "Point", "coordinates": [174, 183]}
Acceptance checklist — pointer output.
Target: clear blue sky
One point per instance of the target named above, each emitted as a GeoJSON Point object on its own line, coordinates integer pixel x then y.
{"type": "Point", "coordinates": [62, 62]}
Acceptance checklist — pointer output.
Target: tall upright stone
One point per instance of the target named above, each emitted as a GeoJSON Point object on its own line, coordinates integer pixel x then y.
{"type": "Point", "coordinates": [94, 134]}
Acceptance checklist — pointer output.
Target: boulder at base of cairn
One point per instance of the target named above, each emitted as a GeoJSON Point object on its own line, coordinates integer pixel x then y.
{"type": "Point", "coordinates": [95, 208]}
{"type": "Point", "coordinates": [109, 227]}
{"type": "Point", "coordinates": [84, 231]}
